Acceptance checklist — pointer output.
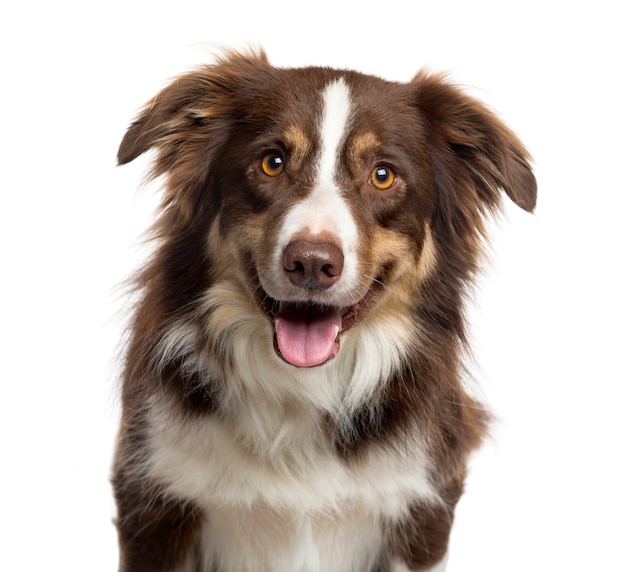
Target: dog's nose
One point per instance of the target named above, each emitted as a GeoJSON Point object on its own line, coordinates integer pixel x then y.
{"type": "Point", "coordinates": [313, 265]}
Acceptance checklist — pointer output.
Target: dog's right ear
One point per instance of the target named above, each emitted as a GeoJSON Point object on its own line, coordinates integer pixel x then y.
{"type": "Point", "coordinates": [165, 116]}
{"type": "Point", "coordinates": [188, 103]}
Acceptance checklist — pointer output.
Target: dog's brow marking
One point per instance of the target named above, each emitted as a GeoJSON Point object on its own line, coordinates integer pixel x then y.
{"type": "Point", "coordinates": [363, 146]}
{"type": "Point", "coordinates": [298, 141]}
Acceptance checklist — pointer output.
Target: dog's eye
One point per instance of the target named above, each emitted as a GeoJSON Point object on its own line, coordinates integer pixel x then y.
{"type": "Point", "coordinates": [273, 165]}
{"type": "Point", "coordinates": [382, 178]}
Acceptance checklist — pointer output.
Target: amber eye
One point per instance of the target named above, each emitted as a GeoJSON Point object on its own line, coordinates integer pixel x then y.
{"type": "Point", "coordinates": [382, 178]}
{"type": "Point", "coordinates": [273, 165]}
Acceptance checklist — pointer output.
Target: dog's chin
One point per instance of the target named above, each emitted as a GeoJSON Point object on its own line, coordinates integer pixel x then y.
{"type": "Point", "coordinates": [308, 334]}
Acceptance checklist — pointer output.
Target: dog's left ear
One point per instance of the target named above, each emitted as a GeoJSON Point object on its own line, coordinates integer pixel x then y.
{"type": "Point", "coordinates": [475, 155]}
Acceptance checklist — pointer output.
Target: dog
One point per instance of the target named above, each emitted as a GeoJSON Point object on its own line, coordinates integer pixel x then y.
{"type": "Point", "coordinates": [292, 395]}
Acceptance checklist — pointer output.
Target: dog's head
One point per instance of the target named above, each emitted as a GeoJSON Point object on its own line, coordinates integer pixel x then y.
{"type": "Point", "coordinates": [329, 197]}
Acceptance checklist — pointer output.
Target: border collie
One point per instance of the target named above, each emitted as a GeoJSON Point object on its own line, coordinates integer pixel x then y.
{"type": "Point", "coordinates": [293, 393]}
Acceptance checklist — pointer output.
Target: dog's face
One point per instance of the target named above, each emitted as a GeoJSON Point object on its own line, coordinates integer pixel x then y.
{"type": "Point", "coordinates": [329, 208]}
{"type": "Point", "coordinates": [328, 197]}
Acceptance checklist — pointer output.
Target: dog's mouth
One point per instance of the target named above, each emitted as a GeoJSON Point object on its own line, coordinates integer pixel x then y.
{"type": "Point", "coordinates": [307, 334]}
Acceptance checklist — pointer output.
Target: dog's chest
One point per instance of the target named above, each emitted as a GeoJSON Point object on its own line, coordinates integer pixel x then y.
{"type": "Point", "coordinates": [234, 538]}
{"type": "Point", "coordinates": [297, 508]}
{"type": "Point", "coordinates": [281, 460]}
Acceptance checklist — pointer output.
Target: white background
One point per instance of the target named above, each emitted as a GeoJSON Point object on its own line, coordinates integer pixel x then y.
{"type": "Point", "coordinates": [547, 493]}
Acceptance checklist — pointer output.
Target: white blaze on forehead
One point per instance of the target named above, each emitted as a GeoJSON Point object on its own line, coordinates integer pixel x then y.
{"type": "Point", "coordinates": [333, 128]}
{"type": "Point", "coordinates": [324, 211]}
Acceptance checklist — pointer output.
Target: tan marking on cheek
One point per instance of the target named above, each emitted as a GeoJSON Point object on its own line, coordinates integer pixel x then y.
{"type": "Point", "coordinates": [226, 251]}
{"type": "Point", "coordinates": [398, 295]}
{"type": "Point", "coordinates": [401, 252]}
{"type": "Point", "coordinates": [387, 245]}
{"type": "Point", "coordinates": [403, 285]}
{"type": "Point", "coordinates": [298, 143]}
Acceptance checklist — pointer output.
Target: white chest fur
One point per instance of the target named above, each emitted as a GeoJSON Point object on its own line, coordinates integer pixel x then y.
{"type": "Point", "coordinates": [262, 540]}
{"type": "Point", "coordinates": [297, 506]}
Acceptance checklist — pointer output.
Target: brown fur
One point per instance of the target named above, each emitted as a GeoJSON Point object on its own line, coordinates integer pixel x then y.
{"type": "Point", "coordinates": [454, 156]}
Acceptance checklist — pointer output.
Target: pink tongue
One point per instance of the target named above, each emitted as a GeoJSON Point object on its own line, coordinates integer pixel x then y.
{"type": "Point", "coordinates": [307, 336]}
